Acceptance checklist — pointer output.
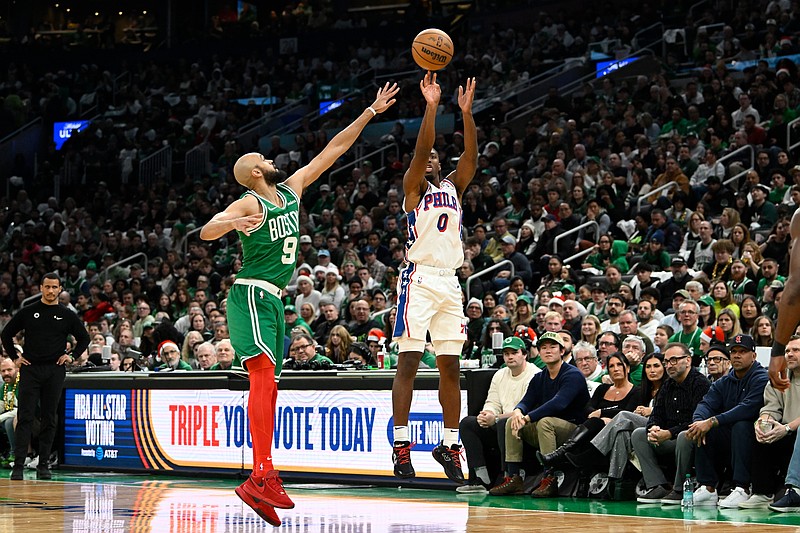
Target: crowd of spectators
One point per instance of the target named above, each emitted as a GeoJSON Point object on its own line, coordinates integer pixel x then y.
{"type": "Point", "coordinates": [701, 261]}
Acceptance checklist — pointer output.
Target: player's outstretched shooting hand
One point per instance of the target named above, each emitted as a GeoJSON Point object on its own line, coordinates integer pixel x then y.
{"type": "Point", "coordinates": [385, 97]}
{"type": "Point", "coordinates": [430, 89]}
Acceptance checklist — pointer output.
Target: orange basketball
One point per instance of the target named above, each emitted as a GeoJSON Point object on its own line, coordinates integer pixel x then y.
{"type": "Point", "coordinates": [432, 49]}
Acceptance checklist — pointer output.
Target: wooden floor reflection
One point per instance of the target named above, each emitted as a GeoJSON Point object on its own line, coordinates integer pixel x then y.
{"type": "Point", "coordinates": [115, 504]}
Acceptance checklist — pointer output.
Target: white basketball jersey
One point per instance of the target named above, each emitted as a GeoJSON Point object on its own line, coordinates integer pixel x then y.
{"type": "Point", "coordinates": [434, 228]}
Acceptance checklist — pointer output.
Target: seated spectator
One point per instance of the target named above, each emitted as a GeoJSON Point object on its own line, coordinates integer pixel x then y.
{"type": "Point", "coordinates": [587, 362]}
{"type": "Point", "coordinates": [614, 440]}
{"type": "Point", "coordinates": [719, 361]}
{"type": "Point", "coordinates": [8, 406]}
{"type": "Point", "coordinates": [360, 355]}
{"type": "Point", "coordinates": [329, 318]}
{"type": "Point", "coordinates": [545, 417]}
{"type": "Point", "coordinates": [689, 332]}
{"type": "Point", "coordinates": [776, 432]}
{"type": "Point", "coordinates": [665, 430]}
{"type": "Point", "coordinates": [170, 354]}
{"type": "Point", "coordinates": [607, 400]}
{"type": "Point", "coordinates": [337, 347]}
{"type": "Point", "coordinates": [722, 426]}
{"type": "Point", "coordinates": [361, 324]}
{"type": "Point", "coordinates": [303, 352]}
{"type": "Point", "coordinates": [206, 355]}
{"type": "Point", "coordinates": [225, 356]}
{"type": "Point", "coordinates": [483, 435]}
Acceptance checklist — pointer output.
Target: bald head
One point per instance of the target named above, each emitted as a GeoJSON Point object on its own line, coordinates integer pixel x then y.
{"type": "Point", "coordinates": [254, 167]}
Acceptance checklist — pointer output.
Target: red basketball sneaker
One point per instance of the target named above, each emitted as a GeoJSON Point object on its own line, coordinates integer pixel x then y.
{"type": "Point", "coordinates": [265, 511]}
{"type": "Point", "coordinates": [269, 490]}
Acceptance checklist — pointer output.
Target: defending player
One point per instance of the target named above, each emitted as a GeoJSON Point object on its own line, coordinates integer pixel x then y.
{"type": "Point", "coordinates": [267, 219]}
{"type": "Point", "coordinates": [429, 295]}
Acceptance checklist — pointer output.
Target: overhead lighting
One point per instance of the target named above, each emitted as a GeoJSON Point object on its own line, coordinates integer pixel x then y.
{"type": "Point", "coordinates": [144, 12]}
{"type": "Point", "coordinates": [96, 13]}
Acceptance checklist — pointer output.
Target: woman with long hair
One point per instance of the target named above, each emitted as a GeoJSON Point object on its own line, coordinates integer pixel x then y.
{"type": "Point", "coordinates": [777, 244]}
{"type": "Point", "coordinates": [729, 218]}
{"type": "Point", "coordinates": [606, 402]}
{"type": "Point", "coordinates": [181, 302]}
{"type": "Point", "coordinates": [190, 342]}
{"type": "Point", "coordinates": [332, 290]}
{"type": "Point", "coordinates": [707, 316]}
{"type": "Point", "coordinates": [728, 322]}
{"type": "Point", "coordinates": [338, 346]}
{"type": "Point", "coordinates": [752, 258]}
{"type": "Point", "coordinates": [523, 312]}
{"type": "Point", "coordinates": [740, 236]}
{"type": "Point", "coordinates": [692, 236]}
{"type": "Point", "coordinates": [590, 329]}
{"type": "Point", "coordinates": [200, 324]}
{"type": "Point", "coordinates": [723, 299]}
{"type": "Point", "coordinates": [489, 302]}
{"type": "Point", "coordinates": [614, 440]}
{"type": "Point", "coordinates": [749, 312]}
{"type": "Point", "coordinates": [763, 331]}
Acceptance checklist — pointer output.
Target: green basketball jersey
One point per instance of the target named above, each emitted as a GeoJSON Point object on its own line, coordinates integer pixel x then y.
{"type": "Point", "coordinates": [270, 251]}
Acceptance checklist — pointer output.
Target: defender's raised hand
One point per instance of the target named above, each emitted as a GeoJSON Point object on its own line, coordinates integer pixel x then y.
{"type": "Point", "coordinates": [385, 97]}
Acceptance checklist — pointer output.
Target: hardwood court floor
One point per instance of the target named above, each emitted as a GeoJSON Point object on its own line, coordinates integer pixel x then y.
{"type": "Point", "coordinates": [113, 503]}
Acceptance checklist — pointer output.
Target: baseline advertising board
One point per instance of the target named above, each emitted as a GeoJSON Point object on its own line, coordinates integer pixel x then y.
{"type": "Point", "coordinates": [337, 432]}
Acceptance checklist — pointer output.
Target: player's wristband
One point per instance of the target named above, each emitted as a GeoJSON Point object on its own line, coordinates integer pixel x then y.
{"type": "Point", "coordinates": [374, 113]}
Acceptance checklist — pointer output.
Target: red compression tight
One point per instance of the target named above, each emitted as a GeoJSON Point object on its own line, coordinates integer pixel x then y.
{"type": "Point", "coordinates": [261, 410]}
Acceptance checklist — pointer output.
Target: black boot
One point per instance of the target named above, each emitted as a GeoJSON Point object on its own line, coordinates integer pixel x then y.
{"type": "Point", "coordinates": [587, 458]}
{"type": "Point", "coordinates": [579, 436]}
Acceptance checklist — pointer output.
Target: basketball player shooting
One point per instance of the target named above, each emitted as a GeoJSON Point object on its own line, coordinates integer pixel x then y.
{"type": "Point", "coordinates": [267, 220]}
{"type": "Point", "coordinates": [429, 295]}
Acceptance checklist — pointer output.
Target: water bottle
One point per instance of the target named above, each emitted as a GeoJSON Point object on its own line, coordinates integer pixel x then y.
{"type": "Point", "coordinates": [687, 502]}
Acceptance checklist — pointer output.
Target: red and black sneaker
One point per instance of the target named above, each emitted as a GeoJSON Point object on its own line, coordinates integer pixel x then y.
{"type": "Point", "coordinates": [401, 457]}
{"type": "Point", "coordinates": [450, 459]}
{"type": "Point", "coordinates": [262, 509]}
{"type": "Point", "coordinates": [268, 489]}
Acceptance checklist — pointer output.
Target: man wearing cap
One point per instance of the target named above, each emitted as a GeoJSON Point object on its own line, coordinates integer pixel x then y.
{"type": "Point", "coordinates": [597, 306]}
{"type": "Point", "coordinates": [673, 238]}
{"type": "Point", "coordinates": [668, 287]}
{"type": "Point", "coordinates": [324, 258]}
{"type": "Point", "coordinates": [484, 435]}
{"type": "Point", "coordinates": [294, 322]}
{"type": "Point", "coordinates": [553, 406]}
{"type": "Point", "coordinates": [665, 434]}
{"type": "Point", "coordinates": [718, 358]}
{"type": "Point", "coordinates": [522, 267]}
{"type": "Point", "coordinates": [376, 269]}
{"type": "Point", "coordinates": [325, 200]}
{"type": "Point", "coordinates": [722, 425]}
{"type": "Point", "coordinates": [170, 354]}
{"type": "Point", "coordinates": [547, 242]}
{"type": "Point", "coordinates": [762, 214]}
{"type": "Point", "coordinates": [308, 251]}
{"type": "Point", "coordinates": [476, 321]}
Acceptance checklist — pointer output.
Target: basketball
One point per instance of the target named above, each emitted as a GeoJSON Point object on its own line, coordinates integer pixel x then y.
{"type": "Point", "coordinates": [432, 49]}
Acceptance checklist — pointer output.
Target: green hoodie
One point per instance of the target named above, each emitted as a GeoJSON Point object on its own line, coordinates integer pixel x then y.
{"type": "Point", "coordinates": [619, 249]}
